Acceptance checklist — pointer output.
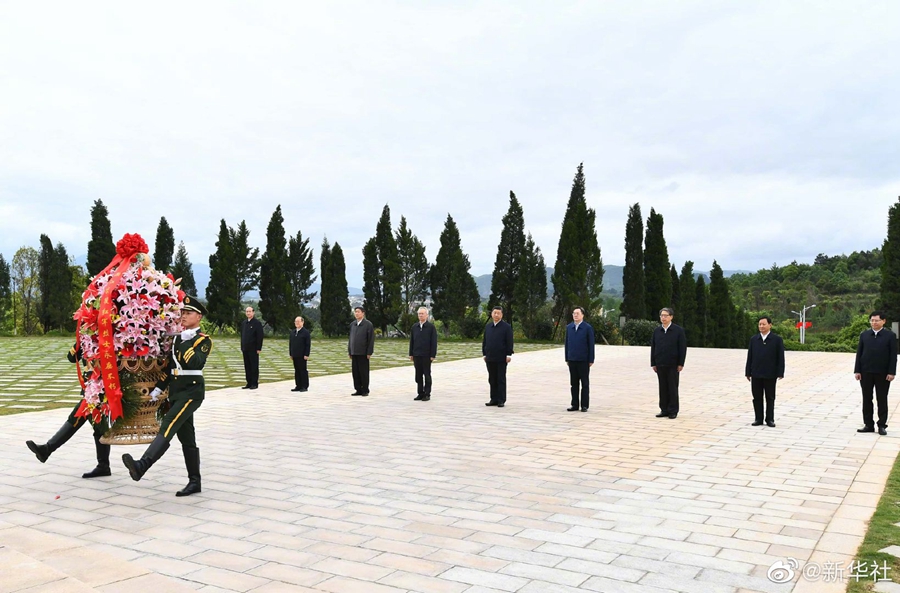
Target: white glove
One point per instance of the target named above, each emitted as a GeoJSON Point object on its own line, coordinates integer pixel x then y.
{"type": "Point", "coordinates": [154, 395]}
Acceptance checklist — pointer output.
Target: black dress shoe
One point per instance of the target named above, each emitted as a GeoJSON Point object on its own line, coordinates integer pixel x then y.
{"type": "Point", "coordinates": [490, 404]}
{"type": "Point", "coordinates": [673, 416]}
{"type": "Point", "coordinates": [584, 409]}
{"type": "Point", "coordinates": [98, 472]}
{"type": "Point", "coordinates": [296, 389]}
{"type": "Point", "coordinates": [366, 394]}
{"type": "Point", "coordinates": [770, 424]}
{"type": "Point", "coordinates": [662, 415]}
{"type": "Point", "coordinates": [427, 398]}
{"type": "Point", "coordinates": [865, 429]}
{"type": "Point", "coordinates": [245, 387]}
{"type": "Point", "coordinates": [757, 423]}
{"type": "Point", "coordinates": [253, 387]}
{"type": "Point", "coordinates": [356, 393]}
{"type": "Point", "coordinates": [882, 431]}
{"type": "Point", "coordinates": [500, 405]}
{"type": "Point", "coordinates": [572, 409]}
{"type": "Point", "coordinates": [418, 398]}
{"type": "Point", "coordinates": [303, 390]}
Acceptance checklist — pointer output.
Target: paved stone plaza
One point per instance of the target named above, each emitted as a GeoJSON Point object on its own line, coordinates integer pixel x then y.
{"type": "Point", "coordinates": [326, 492]}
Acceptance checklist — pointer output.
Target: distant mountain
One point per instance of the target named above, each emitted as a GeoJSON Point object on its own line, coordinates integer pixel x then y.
{"type": "Point", "coordinates": [612, 282]}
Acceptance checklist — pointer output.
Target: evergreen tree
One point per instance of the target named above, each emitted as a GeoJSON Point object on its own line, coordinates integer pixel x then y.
{"type": "Point", "coordinates": [101, 247]}
{"type": "Point", "coordinates": [508, 263]}
{"type": "Point", "coordinates": [453, 289]}
{"type": "Point", "coordinates": [634, 305]}
{"type": "Point", "coordinates": [382, 275]}
{"type": "Point", "coordinates": [701, 317]}
{"type": "Point", "coordinates": [165, 247]}
{"type": "Point", "coordinates": [222, 290]}
{"type": "Point", "coordinates": [183, 269]}
{"type": "Point", "coordinates": [246, 260]}
{"type": "Point", "coordinates": [334, 304]}
{"type": "Point", "coordinates": [25, 272]}
{"type": "Point", "coordinates": [274, 282]}
{"type": "Point", "coordinates": [578, 274]}
{"type": "Point", "coordinates": [657, 281]}
{"type": "Point", "coordinates": [46, 263]}
{"type": "Point", "coordinates": [676, 289]}
{"type": "Point", "coordinates": [413, 265]}
{"type": "Point", "coordinates": [687, 306]}
{"type": "Point", "coordinates": [721, 309]}
{"type": "Point", "coordinates": [301, 271]}
{"type": "Point", "coordinates": [5, 289]}
{"type": "Point", "coordinates": [531, 288]}
{"type": "Point", "coordinates": [890, 266]}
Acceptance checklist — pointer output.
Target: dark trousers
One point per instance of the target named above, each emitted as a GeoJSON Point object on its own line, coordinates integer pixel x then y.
{"type": "Point", "coordinates": [360, 367]}
{"type": "Point", "coordinates": [301, 374]}
{"type": "Point", "coordinates": [758, 387]}
{"type": "Point", "coordinates": [179, 420]}
{"type": "Point", "coordinates": [251, 367]}
{"type": "Point", "coordinates": [580, 373]}
{"type": "Point", "coordinates": [423, 374]}
{"type": "Point", "coordinates": [668, 389]}
{"type": "Point", "coordinates": [881, 385]}
{"type": "Point", "coordinates": [497, 380]}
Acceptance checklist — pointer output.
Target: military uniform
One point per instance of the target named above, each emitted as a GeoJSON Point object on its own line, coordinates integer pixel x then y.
{"type": "Point", "coordinates": [184, 379]}
{"type": "Point", "coordinates": [72, 424]}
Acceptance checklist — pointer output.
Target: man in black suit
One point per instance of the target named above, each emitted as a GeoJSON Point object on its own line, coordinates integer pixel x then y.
{"type": "Point", "coordinates": [299, 351]}
{"type": "Point", "coordinates": [360, 348]}
{"type": "Point", "coordinates": [876, 367]}
{"type": "Point", "coordinates": [497, 350]}
{"type": "Point", "coordinates": [765, 365]}
{"type": "Point", "coordinates": [668, 348]}
{"type": "Point", "coordinates": [251, 346]}
{"type": "Point", "coordinates": [423, 351]}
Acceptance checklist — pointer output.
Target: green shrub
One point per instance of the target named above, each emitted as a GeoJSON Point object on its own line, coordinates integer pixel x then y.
{"type": "Point", "coordinates": [637, 332]}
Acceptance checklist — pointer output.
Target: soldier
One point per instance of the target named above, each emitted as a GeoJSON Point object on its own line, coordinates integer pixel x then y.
{"type": "Point", "coordinates": [70, 427]}
{"type": "Point", "coordinates": [184, 378]}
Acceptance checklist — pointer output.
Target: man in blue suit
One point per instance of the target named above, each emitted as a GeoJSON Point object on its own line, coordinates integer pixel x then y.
{"type": "Point", "coordinates": [580, 358]}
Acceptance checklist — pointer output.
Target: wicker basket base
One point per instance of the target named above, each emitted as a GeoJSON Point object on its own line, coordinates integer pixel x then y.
{"type": "Point", "coordinates": [143, 426]}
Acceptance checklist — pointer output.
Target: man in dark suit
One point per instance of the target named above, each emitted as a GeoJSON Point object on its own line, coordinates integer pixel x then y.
{"type": "Point", "coordinates": [423, 351]}
{"type": "Point", "coordinates": [497, 350]}
{"type": "Point", "coordinates": [765, 365]}
{"type": "Point", "coordinates": [360, 348]}
{"type": "Point", "coordinates": [668, 348]}
{"type": "Point", "coordinates": [876, 367]}
{"type": "Point", "coordinates": [251, 346]}
{"type": "Point", "coordinates": [580, 358]}
{"type": "Point", "coordinates": [299, 351]}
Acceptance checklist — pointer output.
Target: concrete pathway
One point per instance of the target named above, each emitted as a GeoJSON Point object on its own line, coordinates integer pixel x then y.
{"type": "Point", "coordinates": [326, 492]}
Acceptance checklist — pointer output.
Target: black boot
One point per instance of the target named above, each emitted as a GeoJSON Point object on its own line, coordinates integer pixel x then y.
{"type": "Point", "coordinates": [42, 452]}
{"type": "Point", "coordinates": [192, 463]}
{"type": "Point", "coordinates": [138, 468]}
{"type": "Point", "coordinates": [102, 468]}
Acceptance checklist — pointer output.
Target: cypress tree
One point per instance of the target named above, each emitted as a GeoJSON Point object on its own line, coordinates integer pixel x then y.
{"type": "Point", "coordinates": [701, 317]}
{"type": "Point", "coordinates": [578, 274]}
{"type": "Point", "coordinates": [101, 248]}
{"type": "Point", "coordinates": [46, 263]}
{"type": "Point", "coordinates": [721, 309]}
{"type": "Point", "coordinates": [61, 301]}
{"type": "Point", "coordinates": [657, 280]}
{"type": "Point", "coordinates": [382, 275]}
{"type": "Point", "coordinates": [5, 289]}
{"type": "Point", "coordinates": [453, 289]}
{"type": "Point", "coordinates": [301, 271]}
{"type": "Point", "coordinates": [688, 305]}
{"type": "Point", "coordinates": [531, 288]}
{"type": "Point", "coordinates": [508, 263]}
{"type": "Point", "coordinates": [165, 246]}
{"type": "Point", "coordinates": [246, 260]}
{"type": "Point", "coordinates": [676, 289]}
{"type": "Point", "coordinates": [334, 305]}
{"type": "Point", "coordinates": [634, 305]}
{"type": "Point", "coordinates": [274, 284]}
{"type": "Point", "coordinates": [183, 269]}
{"type": "Point", "coordinates": [222, 290]}
{"type": "Point", "coordinates": [413, 266]}
{"type": "Point", "coordinates": [890, 266]}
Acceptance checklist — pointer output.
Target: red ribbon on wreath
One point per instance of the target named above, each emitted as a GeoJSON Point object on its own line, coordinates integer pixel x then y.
{"type": "Point", "coordinates": [127, 250]}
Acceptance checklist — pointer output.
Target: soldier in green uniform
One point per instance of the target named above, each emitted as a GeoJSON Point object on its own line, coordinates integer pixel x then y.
{"type": "Point", "coordinates": [70, 427]}
{"type": "Point", "coordinates": [184, 378]}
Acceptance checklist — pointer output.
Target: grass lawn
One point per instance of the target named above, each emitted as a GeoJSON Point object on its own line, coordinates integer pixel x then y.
{"type": "Point", "coordinates": [35, 375]}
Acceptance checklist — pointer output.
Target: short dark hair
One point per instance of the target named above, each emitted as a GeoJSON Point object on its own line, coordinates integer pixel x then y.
{"type": "Point", "coordinates": [766, 317]}
{"type": "Point", "coordinates": [667, 310]}
{"type": "Point", "coordinates": [583, 312]}
{"type": "Point", "coordinates": [878, 314]}
{"type": "Point", "coordinates": [361, 308]}
{"type": "Point", "coordinates": [497, 308]}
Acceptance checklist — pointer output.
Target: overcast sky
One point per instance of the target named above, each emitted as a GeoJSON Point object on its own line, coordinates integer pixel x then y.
{"type": "Point", "coordinates": [762, 131]}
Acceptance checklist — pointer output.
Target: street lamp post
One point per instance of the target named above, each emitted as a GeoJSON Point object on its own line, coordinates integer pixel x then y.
{"type": "Point", "coordinates": [802, 315]}
{"type": "Point", "coordinates": [15, 332]}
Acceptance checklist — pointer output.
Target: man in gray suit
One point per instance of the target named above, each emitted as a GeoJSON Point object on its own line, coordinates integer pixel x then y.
{"type": "Point", "coordinates": [360, 348]}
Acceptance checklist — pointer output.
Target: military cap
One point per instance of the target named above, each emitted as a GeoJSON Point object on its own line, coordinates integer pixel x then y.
{"type": "Point", "coordinates": [193, 304]}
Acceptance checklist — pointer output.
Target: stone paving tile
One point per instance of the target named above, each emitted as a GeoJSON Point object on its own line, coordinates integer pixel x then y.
{"type": "Point", "coordinates": [333, 493]}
